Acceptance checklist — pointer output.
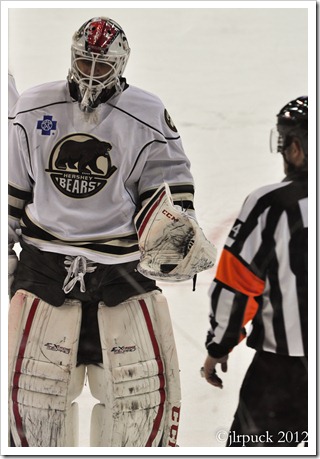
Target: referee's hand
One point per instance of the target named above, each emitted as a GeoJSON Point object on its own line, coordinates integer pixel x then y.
{"type": "Point", "coordinates": [208, 371]}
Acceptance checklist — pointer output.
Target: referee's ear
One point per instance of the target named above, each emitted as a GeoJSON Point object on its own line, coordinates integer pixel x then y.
{"type": "Point", "coordinates": [295, 154]}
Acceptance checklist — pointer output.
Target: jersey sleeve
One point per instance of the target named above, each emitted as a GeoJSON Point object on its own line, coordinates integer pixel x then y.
{"type": "Point", "coordinates": [239, 281]}
{"type": "Point", "coordinates": [166, 161]}
{"type": "Point", "coordinates": [20, 178]}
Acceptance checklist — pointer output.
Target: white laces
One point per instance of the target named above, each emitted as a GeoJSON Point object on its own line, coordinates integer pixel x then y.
{"type": "Point", "coordinates": [77, 267]}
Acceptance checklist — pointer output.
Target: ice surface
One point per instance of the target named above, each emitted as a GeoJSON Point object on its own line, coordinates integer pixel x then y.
{"type": "Point", "coordinates": [223, 74]}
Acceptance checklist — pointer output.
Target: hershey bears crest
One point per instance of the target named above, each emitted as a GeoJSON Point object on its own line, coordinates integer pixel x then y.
{"type": "Point", "coordinates": [80, 165]}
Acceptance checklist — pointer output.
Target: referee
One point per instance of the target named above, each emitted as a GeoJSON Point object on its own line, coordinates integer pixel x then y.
{"type": "Point", "coordinates": [262, 276]}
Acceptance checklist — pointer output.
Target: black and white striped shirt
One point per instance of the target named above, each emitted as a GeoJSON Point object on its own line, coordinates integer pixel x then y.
{"type": "Point", "coordinates": [263, 274]}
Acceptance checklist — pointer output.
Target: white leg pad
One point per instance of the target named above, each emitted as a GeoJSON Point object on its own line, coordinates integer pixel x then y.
{"type": "Point", "coordinates": [139, 384]}
{"type": "Point", "coordinates": [43, 377]}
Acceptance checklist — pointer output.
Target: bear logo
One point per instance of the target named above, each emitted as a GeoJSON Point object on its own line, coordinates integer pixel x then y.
{"type": "Point", "coordinates": [85, 154]}
{"type": "Point", "coordinates": [80, 165]}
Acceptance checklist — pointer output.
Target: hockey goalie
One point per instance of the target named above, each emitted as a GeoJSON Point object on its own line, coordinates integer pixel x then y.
{"type": "Point", "coordinates": [97, 225]}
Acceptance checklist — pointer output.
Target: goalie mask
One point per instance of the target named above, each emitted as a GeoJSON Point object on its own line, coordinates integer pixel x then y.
{"type": "Point", "coordinates": [99, 54]}
{"type": "Point", "coordinates": [173, 246]}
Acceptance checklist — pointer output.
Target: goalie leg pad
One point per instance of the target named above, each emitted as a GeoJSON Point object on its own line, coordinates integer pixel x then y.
{"type": "Point", "coordinates": [43, 378]}
{"type": "Point", "coordinates": [139, 384]}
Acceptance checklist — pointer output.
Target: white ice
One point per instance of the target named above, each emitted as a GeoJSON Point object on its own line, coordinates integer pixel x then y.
{"type": "Point", "coordinates": [223, 74]}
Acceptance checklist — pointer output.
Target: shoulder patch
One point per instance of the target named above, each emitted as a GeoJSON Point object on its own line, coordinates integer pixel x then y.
{"type": "Point", "coordinates": [47, 125]}
{"type": "Point", "coordinates": [169, 121]}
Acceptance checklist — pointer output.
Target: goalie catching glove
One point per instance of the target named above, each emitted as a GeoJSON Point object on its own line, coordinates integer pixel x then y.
{"type": "Point", "coordinates": [173, 246]}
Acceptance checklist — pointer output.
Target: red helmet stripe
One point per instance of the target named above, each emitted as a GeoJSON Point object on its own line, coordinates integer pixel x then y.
{"type": "Point", "coordinates": [100, 35]}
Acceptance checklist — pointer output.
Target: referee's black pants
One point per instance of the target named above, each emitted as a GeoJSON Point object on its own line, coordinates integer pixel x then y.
{"type": "Point", "coordinates": [273, 403]}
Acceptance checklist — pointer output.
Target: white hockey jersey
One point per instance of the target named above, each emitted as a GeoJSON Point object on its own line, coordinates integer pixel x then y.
{"type": "Point", "coordinates": [75, 184]}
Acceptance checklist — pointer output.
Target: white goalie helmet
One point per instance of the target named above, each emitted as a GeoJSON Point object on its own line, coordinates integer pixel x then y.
{"type": "Point", "coordinates": [99, 54]}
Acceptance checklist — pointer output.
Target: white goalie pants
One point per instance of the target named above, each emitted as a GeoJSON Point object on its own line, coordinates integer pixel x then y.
{"type": "Point", "coordinates": [137, 387]}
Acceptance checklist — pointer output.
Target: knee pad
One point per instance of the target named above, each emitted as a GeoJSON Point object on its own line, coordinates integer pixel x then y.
{"type": "Point", "coordinates": [139, 384]}
{"type": "Point", "coordinates": [43, 378]}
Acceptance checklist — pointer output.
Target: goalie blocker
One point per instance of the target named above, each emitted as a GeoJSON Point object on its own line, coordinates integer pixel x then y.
{"type": "Point", "coordinates": [173, 246]}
